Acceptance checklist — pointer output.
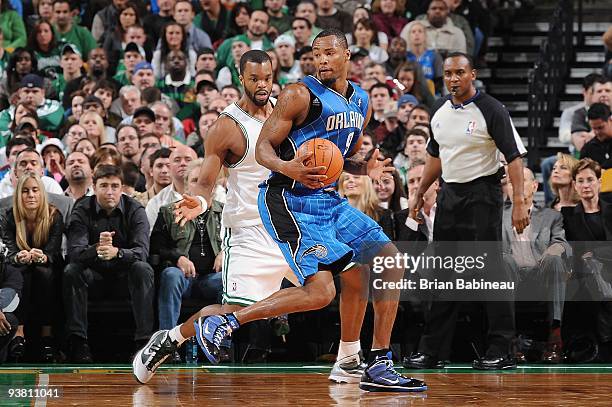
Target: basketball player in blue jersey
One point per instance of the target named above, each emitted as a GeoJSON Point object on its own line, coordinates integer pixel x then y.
{"type": "Point", "coordinates": [254, 266]}
{"type": "Point", "coordinates": [318, 232]}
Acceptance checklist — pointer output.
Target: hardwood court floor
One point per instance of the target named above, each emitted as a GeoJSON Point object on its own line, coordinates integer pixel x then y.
{"type": "Point", "coordinates": [294, 385]}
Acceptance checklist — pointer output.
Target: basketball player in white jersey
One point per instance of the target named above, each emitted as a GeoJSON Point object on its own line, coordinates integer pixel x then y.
{"type": "Point", "coordinates": [254, 266]}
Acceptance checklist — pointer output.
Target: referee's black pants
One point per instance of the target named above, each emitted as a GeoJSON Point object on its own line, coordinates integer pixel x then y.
{"type": "Point", "coordinates": [470, 212]}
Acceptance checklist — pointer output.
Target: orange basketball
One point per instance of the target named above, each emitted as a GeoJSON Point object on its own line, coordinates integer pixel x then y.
{"type": "Point", "coordinates": [325, 154]}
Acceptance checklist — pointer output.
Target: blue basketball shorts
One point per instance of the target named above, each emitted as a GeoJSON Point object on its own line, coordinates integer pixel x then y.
{"type": "Point", "coordinates": [318, 230]}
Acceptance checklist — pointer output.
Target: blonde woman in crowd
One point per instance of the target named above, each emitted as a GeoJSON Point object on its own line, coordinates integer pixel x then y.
{"type": "Point", "coordinates": [561, 182]}
{"type": "Point", "coordinates": [32, 231]}
{"type": "Point", "coordinates": [359, 191]}
{"type": "Point", "coordinates": [94, 125]}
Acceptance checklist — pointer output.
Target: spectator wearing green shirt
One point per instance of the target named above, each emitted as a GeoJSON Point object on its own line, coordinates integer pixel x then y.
{"type": "Point", "coordinates": [43, 41]}
{"type": "Point", "coordinates": [132, 55]}
{"type": "Point", "coordinates": [31, 92]}
{"type": "Point", "coordinates": [255, 38]}
{"type": "Point", "coordinates": [306, 9]}
{"type": "Point", "coordinates": [4, 57]}
{"type": "Point", "coordinates": [178, 83]}
{"type": "Point", "coordinates": [229, 74]}
{"type": "Point", "coordinates": [70, 32]}
{"type": "Point", "coordinates": [135, 34]}
{"type": "Point", "coordinates": [279, 20]}
{"type": "Point", "coordinates": [12, 26]}
{"type": "Point", "coordinates": [71, 63]}
{"type": "Point", "coordinates": [97, 70]}
{"type": "Point", "coordinates": [213, 19]}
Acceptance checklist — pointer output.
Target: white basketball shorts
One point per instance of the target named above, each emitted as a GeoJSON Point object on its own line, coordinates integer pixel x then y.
{"type": "Point", "coordinates": [253, 265]}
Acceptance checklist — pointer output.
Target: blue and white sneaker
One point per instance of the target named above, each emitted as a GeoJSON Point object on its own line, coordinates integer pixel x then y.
{"type": "Point", "coordinates": [381, 376]}
{"type": "Point", "coordinates": [211, 331]}
{"type": "Point", "coordinates": [348, 369]}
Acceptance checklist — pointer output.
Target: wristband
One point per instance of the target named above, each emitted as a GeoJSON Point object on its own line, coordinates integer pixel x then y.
{"type": "Point", "coordinates": [203, 203]}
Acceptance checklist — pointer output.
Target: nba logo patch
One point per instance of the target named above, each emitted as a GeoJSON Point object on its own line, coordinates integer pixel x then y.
{"type": "Point", "coordinates": [470, 127]}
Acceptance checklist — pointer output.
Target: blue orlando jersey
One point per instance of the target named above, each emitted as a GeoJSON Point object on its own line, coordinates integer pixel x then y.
{"type": "Point", "coordinates": [427, 61]}
{"type": "Point", "coordinates": [331, 116]}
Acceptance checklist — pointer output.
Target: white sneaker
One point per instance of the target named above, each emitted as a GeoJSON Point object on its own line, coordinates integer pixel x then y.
{"type": "Point", "coordinates": [149, 358]}
{"type": "Point", "coordinates": [347, 370]}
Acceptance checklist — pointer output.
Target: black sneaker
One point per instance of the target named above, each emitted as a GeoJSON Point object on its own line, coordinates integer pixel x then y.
{"type": "Point", "coordinates": [381, 376]}
{"type": "Point", "coordinates": [155, 352]}
{"type": "Point", "coordinates": [79, 350]}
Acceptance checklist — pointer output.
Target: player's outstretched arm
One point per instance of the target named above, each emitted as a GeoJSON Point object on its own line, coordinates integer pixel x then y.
{"type": "Point", "coordinates": [291, 108]}
{"type": "Point", "coordinates": [218, 142]}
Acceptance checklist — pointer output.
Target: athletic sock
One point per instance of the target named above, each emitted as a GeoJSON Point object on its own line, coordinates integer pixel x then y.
{"type": "Point", "coordinates": [176, 335]}
{"type": "Point", "coordinates": [375, 353]}
{"type": "Point", "coordinates": [348, 349]}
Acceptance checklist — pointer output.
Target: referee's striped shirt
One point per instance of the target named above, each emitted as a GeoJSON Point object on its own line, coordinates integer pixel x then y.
{"type": "Point", "coordinates": [469, 137]}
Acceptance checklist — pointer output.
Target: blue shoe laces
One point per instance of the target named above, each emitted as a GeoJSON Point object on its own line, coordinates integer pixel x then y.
{"type": "Point", "coordinates": [389, 366]}
{"type": "Point", "coordinates": [225, 329]}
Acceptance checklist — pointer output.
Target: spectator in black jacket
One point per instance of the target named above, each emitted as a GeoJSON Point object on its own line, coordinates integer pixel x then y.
{"type": "Point", "coordinates": [32, 231]}
{"type": "Point", "coordinates": [588, 226]}
{"type": "Point", "coordinates": [406, 228]}
{"type": "Point", "coordinates": [108, 241]}
{"type": "Point", "coordinates": [11, 282]}
{"type": "Point", "coordinates": [599, 149]}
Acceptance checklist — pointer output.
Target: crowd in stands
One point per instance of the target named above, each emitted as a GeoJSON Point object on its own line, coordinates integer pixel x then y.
{"type": "Point", "coordinates": [104, 109]}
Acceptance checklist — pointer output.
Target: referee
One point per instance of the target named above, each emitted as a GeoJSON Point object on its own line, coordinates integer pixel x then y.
{"type": "Point", "coordinates": [469, 130]}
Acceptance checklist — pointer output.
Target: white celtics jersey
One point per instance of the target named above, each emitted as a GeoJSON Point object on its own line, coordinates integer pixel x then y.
{"type": "Point", "coordinates": [240, 210]}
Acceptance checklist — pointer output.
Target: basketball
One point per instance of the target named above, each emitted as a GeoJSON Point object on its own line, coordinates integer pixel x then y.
{"type": "Point", "coordinates": [325, 154]}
